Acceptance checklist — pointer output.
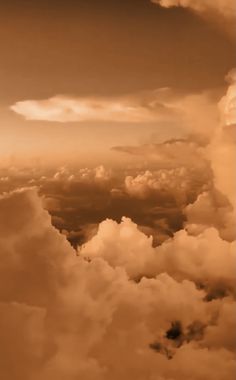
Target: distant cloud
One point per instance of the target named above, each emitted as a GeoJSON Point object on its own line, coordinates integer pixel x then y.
{"type": "Point", "coordinates": [192, 113]}
{"type": "Point", "coordinates": [69, 109]}
{"type": "Point", "coordinates": [169, 154]}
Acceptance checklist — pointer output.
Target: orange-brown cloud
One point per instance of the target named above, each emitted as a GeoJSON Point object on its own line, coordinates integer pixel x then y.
{"type": "Point", "coordinates": [162, 105]}
{"type": "Point", "coordinates": [118, 307]}
{"type": "Point", "coordinates": [227, 8]}
{"type": "Point", "coordinates": [64, 317]}
{"type": "Point", "coordinates": [67, 109]}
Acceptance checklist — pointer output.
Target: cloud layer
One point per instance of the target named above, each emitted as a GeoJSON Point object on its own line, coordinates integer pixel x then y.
{"type": "Point", "coordinates": [158, 106]}
{"type": "Point", "coordinates": [72, 318]}
{"type": "Point", "coordinates": [165, 312]}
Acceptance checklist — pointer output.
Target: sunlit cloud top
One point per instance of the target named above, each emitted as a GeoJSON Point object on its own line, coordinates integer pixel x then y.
{"type": "Point", "coordinates": [226, 8]}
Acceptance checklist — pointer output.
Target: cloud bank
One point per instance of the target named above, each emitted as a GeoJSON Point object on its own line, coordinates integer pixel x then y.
{"type": "Point", "coordinates": [71, 317]}
{"type": "Point", "coordinates": [118, 307]}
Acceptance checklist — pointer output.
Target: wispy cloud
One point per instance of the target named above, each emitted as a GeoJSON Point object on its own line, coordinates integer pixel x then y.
{"type": "Point", "coordinates": [137, 108]}
{"type": "Point", "coordinates": [155, 106]}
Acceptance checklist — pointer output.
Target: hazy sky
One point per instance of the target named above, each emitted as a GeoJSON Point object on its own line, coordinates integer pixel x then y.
{"type": "Point", "coordinates": [117, 190]}
{"type": "Point", "coordinates": [89, 49]}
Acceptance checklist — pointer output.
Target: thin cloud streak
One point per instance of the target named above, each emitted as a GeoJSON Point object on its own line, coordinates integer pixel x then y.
{"type": "Point", "coordinates": [68, 109]}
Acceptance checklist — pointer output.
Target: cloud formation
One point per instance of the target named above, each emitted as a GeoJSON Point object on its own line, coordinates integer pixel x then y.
{"type": "Point", "coordinates": [161, 105]}
{"type": "Point", "coordinates": [69, 109]}
{"type": "Point", "coordinates": [226, 8]}
{"type": "Point", "coordinates": [165, 312]}
{"type": "Point", "coordinates": [70, 317]}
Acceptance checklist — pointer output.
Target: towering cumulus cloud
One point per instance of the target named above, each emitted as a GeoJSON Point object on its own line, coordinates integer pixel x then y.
{"type": "Point", "coordinates": [223, 154]}
{"type": "Point", "coordinates": [117, 307]}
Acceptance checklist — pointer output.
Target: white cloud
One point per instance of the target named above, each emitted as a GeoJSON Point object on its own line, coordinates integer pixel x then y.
{"type": "Point", "coordinates": [67, 109]}
{"type": "Point", "coordinates": [161, 105]}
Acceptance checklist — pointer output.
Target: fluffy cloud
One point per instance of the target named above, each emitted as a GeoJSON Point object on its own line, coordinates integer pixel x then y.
{"type": "Point", "coordinates": [79, 198]}
{"type": "Point", "coordinates": [203, 258]}
{"type": "Point", "coordinates": [211, 209]}
{"type": "Point", "coordinates": [71, 318]}
{"type": "Point", "coordinates": [180, 183]}
{"type": "Point", "coordinates": [227, 8]}
{"type": "Point", "coordinates": [165, 313]}
{"type": "Point", "coordinates": [96, 175]}
{"type": "Point", "coordinates": [222, 151]}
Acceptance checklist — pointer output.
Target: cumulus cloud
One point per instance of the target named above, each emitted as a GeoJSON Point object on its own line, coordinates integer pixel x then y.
{"type": "Point", "coordinates": [86, 175]}
{"type": "Point", "coordinates": [226, 8]}
{"type": "Point", "coordinates": [203, 258]}
{"type": "Point", "coordinates": [222, 148]}
{"type": "Point", "coordinates": [165, 312]}
{"type": "Point", "coordinates": [181, 183]}
{"type": "Point", "coordinates": [211, 209]}
{"type": "Point", "coordinates": [227, 104]}
{"type": "Point", "coordinates": [79, 198]}
{"type": "Point", "coordinates": [72, 318]}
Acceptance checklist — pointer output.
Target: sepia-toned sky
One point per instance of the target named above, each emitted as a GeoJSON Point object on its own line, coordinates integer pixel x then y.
{"type": "Point", "coordinates": [93, 49]}
{"type": "Point", "coordinates": [117, 190]}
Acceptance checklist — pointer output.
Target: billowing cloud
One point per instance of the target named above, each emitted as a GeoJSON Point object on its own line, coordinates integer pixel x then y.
{"type": "Point", "coordinates": [180, 183]}
{"type": "Point", "coordinates": [222, 151]}
{"type": "Point", "coordinates": [97, 175]}
{"type": "Point", "coordinates": [70, 317]}
{"type": "Point", "coordinates": [211, 209]}
{"type": "Point", "coordinates": [202, 259]}
{"type": "Point", "coordinates": [165, 312]}
{"type": "Point", "coordinates": [226, 8]}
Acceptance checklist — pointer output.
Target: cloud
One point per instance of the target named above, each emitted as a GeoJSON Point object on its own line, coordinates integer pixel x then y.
{"type": "Point", "coordinates": [226, 8]}
{"type": "Point", "coordinates": [68, 109]}
{"type": "Point", "coordinates": [78, 198]}
{"type": "Point", "coordinates": [227, 104]}
{"type": "Point", "coordinates": [69, 317]}
{"type": "Point", "coordinates": [172, 157]}
{"type": "Point", "coordinates": [22, 339]}
{"type": "Point", "coordinates": [211, 209]}
{"type": "Point", "coordinates": [161, 105]}
{"type": "Point", "coordinates": [222, 151]}
{"type": "Point", "coordinates": [180, 183]}
{"type": "Point", "coordinates": [97, 175]}
{"type": "Point", "coordinates": [165, 313]}
{"type": "Point", "coordinates": [203, 258]}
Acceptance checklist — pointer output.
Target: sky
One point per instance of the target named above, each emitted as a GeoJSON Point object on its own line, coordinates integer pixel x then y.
{"type": "Point", "coordinates": [117, 190]}
{"type": "Point", "coordinates": [94, 50]}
